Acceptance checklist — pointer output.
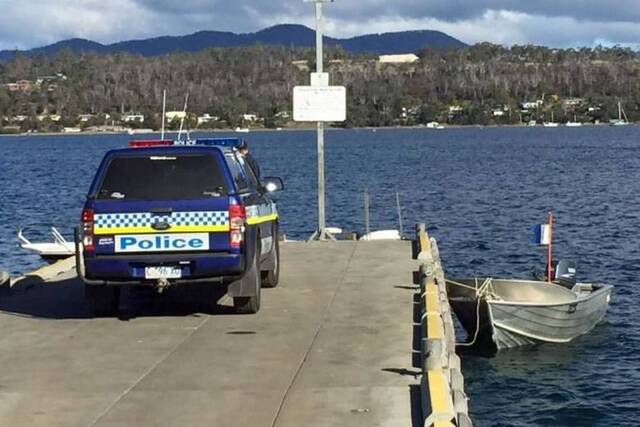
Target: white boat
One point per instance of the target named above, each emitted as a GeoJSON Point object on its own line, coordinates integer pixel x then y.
{"type": "Point", "coordinates": [622, 118]}
{"type": "Point", "coordinates": [503, 313]}
{"type": "Point", "coordinates": [59, 249]}
{"type": "Point", "coordinates": [573, 124]}
{"type": "Point", "coordinates": [434, 125]}
{"type": "Point", "coordinates": [382, 235]}
{"type": "Point", "coordinates": [242, 130]}
{"type": "Point", "coordinates": [532, 123]}
{"type": "Point", "coordinates": [140, 131]}
{"type": "Point", "coordinates": [334, 230]}
{"type": "Point", "coordinates": [552, 123]}
{"type": "Point", "coordinates": [4, 278]}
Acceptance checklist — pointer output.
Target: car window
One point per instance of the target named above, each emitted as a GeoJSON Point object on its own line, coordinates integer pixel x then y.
{"type": "Point", "coordinates": [248, 171]}
{"type": "Point", "coordinates": [162, 177]}
{"type": "Point", "coordinates": [238, 173]}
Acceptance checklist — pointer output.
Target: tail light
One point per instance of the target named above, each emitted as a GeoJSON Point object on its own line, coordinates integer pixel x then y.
{"type": "Point", "coordinates": [237, 219]}
{"type": "Point", "coordinates": [87, 230]}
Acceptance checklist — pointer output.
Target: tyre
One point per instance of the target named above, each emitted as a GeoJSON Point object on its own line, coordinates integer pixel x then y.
{"type": "Point", "coordinates": [250, 305]}
{"type": "Point", "coordinates": [270, 278]}
{"type": "Point", "coordinates": [102, 300]}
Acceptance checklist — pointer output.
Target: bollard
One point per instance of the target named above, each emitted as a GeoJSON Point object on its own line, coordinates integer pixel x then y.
{"type": "Point", "coordinates": [457, 380]}
{"type": "Point", "coordinates": [464, 421]}
{"type": "Point", "coordinates": [460, 402]}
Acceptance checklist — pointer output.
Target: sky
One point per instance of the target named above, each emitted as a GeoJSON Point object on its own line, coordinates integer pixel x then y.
{"type": "Point", "coordinates": [556, 23]}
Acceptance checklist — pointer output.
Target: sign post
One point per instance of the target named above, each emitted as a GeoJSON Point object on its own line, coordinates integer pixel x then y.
{"type": "Point", "coordinates": [322, 103]}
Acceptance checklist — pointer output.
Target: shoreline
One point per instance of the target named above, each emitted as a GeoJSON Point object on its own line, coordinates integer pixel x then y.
{"type": "Point", "coordinates": [295, 129]}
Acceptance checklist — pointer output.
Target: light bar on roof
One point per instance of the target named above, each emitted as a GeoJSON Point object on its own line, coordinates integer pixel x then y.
{"type": "Point", "coordinates": [150, 143]}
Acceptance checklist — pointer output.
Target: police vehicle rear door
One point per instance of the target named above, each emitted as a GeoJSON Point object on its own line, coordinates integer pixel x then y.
{"type": "Point", "coordinates": [159, 201]}
{"type": "Point", "coordinates": [261, 211]}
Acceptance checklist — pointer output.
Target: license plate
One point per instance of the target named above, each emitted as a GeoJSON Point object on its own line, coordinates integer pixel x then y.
{"type": "Point", "coordinates": [162, 273]}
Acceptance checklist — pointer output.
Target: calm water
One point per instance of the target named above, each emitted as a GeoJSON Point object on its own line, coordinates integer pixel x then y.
{"type": "Point", "coordinates": [479, 191]}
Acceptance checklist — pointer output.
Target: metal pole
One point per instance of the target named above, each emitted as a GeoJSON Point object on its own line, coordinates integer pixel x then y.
{"type": "Point", "coordinates": [399, 213]}
{"type": "Point", "coordinates": [319, 68]}
{"type": "Point", "coordinates": [366, 212]}
{"type": "Point", "coordinates": [319, 53]}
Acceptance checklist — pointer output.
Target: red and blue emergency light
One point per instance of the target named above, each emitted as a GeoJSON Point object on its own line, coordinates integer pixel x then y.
{"type": "Point", "coordinates": [212, 142]}
{"type": "Point", "coordinates": [150, 143]}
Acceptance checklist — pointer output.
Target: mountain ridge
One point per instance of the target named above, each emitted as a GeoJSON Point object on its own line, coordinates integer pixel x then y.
{"type": "Point", "coordinates": [289, 35]}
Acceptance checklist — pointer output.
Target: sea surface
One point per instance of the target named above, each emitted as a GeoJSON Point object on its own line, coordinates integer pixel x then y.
{"type": "Point", "coordinates": [478, 189]}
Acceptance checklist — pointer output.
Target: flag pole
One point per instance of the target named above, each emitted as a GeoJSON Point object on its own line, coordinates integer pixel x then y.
{"type": "Point", "coordinates": [550, 247]}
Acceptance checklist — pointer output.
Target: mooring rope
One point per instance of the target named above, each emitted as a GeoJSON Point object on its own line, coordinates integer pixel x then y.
{"type": "Point", "coordinates": [483, 291]}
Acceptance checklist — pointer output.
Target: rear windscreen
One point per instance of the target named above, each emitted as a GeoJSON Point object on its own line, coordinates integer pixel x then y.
{"type": "Point", "coordinates": [162, 177]}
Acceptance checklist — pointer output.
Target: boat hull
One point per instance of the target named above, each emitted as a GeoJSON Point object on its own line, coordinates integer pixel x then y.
{"type": "Point", "coordinates": [520, 312]}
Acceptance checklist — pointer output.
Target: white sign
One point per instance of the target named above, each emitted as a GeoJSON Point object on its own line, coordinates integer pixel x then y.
{"type": "Point", "coordinates": [177, 242]}
{"type": "Point", "coordinates": [319, 104]}
{"type": "Point", "coordinates": [319, 79]}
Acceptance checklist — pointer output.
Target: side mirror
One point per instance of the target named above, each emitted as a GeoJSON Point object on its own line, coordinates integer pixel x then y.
{"type": "Point", "coordinates": [272, 184]}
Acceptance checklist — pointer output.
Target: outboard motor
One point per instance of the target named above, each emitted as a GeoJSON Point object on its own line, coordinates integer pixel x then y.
{"type": "Point", "coordinates": [566, 273]}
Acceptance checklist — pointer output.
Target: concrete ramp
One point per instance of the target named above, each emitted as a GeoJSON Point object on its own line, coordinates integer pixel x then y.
{"type": "Point", "coordinates": [331, 346]}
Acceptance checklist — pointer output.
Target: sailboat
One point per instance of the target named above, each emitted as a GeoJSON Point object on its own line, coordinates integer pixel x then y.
{"type": "Point", "coordinates": [622, 117]}
{"type": "Point", "coordinates": [552, 123]}
{"type": "Point", "coordinates": [574, 124]}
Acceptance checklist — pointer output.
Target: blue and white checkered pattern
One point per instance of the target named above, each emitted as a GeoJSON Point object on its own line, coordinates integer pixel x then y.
{"type": "Point", "coordinates": [176, 219]}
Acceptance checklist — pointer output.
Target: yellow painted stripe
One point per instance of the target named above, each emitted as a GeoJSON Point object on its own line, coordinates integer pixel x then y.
{"type": "Point", "coordinates": [260, 219]}
{"type": "Point", "coordinates": [434, 326]}
{"type": "Point", "coordinates": [173, 229]}
{"type": "Point", "coordinates": [438, 392]}
{"type": "Point", "coordinates": [425, 243]}
{"type": "Point", "coordinates": [431, 287]}
{"type": "Point", "coordinates": [432, 302]}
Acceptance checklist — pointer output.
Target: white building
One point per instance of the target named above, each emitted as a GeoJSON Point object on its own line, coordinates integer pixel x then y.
{"type": "Point", "coordinates": [173, 115]}
{"type": "Point", "coordinates": [573, 102]}
{"type": "Point", "coordinates": [408, 58]}
{"type": "Point", "coordinates": [532, 105]}
{"type": "Point", "coordinates": [84, 118]}
{"type": "Point", "coordinates": [207, 118]}
{"type": "Point", "coordinates": [133, 117]}
{"type": "Point", "coordinates": [250, 117]}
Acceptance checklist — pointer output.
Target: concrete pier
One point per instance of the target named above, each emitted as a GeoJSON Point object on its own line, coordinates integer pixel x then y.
{"type": "Point", "coordinates": [337, 343]}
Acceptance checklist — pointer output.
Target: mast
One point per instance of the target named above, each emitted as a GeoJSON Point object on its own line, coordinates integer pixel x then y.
{"type": "Point", "coordinates": [164, 108]}
{"type": "Point", "coordinates": [550, 247]}
{"type": "Point", "coordinates": [619, 111]}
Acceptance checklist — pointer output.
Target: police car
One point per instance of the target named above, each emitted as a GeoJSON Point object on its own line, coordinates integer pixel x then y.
{"type": "Point", "coordinates": [164, 213]}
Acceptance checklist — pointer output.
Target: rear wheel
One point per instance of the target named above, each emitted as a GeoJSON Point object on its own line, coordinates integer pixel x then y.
{"type": "Point", "coordinates": [250, 305]}
{"type": "Point", "coordinates": [102, 300]}
{"type": "Point", "coordinates": [270, 278]}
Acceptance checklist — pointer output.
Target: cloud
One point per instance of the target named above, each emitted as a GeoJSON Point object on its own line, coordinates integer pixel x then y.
{"type": "Point", "coordinates": [550, 22]}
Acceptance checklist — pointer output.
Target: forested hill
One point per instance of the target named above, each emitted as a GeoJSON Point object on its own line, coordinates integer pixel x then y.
{"type": "Point", "coordinates": [280, 35]}
{"type": "Point", "coordinates": [461, 86]}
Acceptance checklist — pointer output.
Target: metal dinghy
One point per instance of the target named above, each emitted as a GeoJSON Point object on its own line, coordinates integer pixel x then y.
{"type": "Point", "coordinates": [512, 313]}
